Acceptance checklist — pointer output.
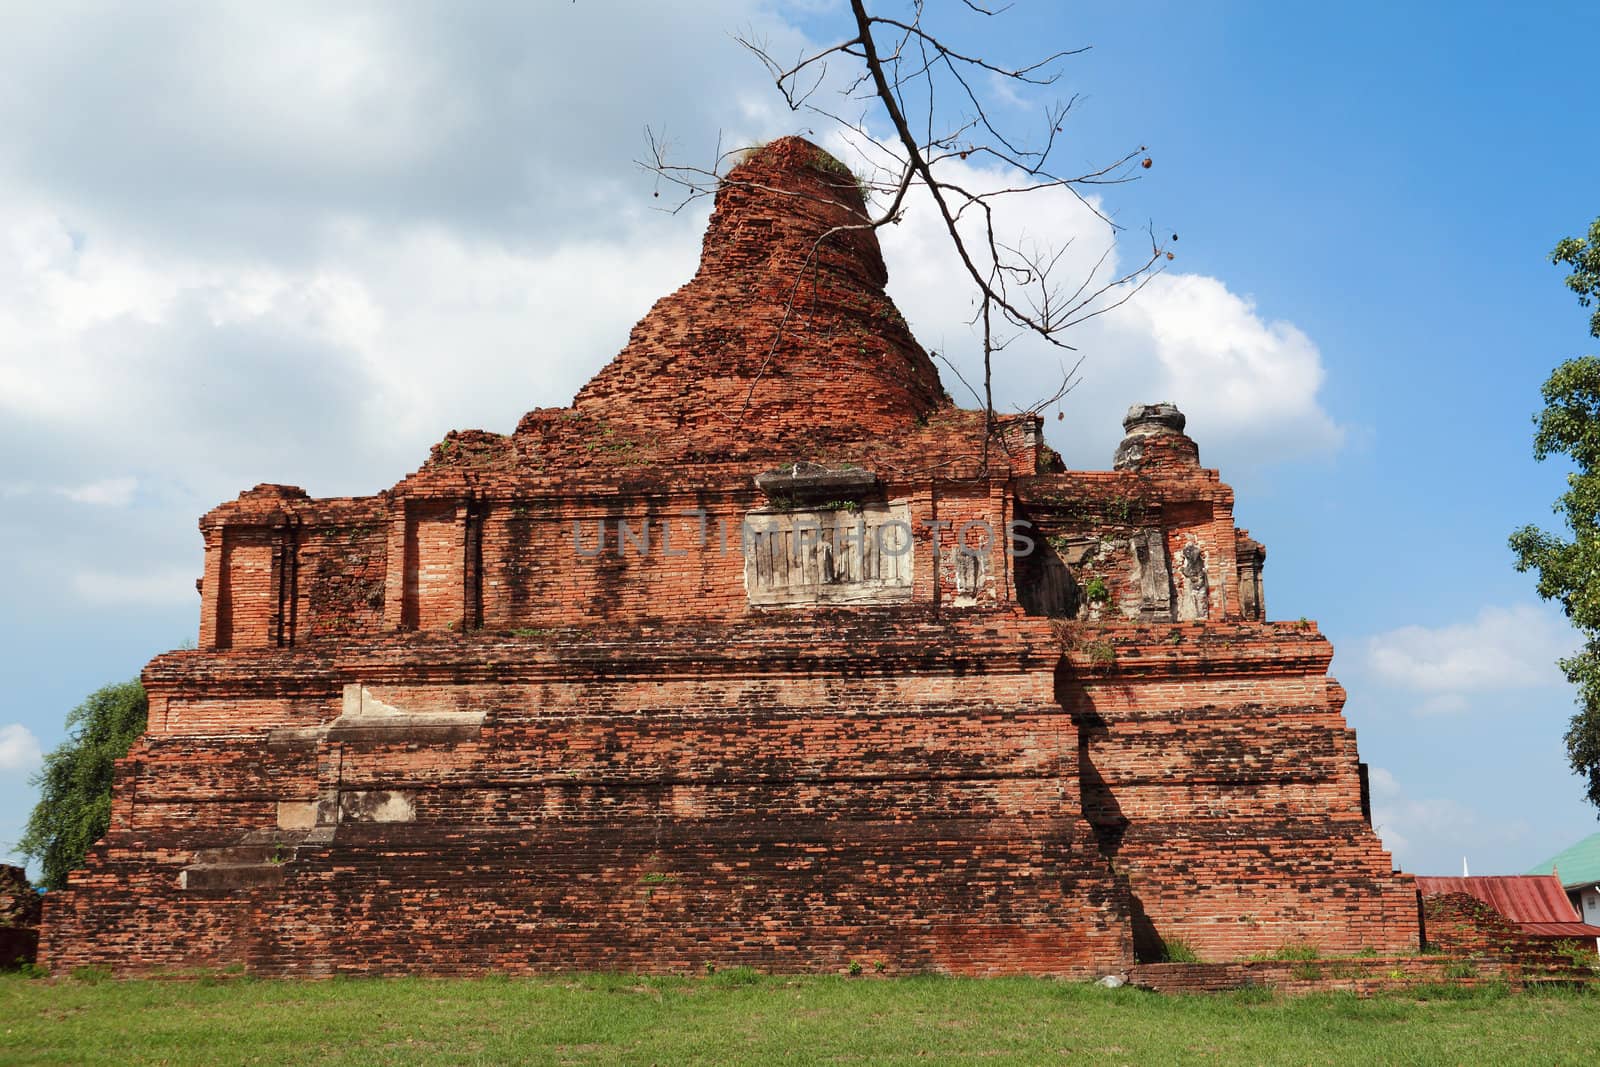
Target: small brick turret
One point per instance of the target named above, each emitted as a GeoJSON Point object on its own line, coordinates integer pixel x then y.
{"type": "Point", "coordinates": [1155, 440]}
{"type": "Point", "coordinates": [785, 334]}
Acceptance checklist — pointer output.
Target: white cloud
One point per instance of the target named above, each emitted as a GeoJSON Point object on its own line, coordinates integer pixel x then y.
{"type": "Point", "coordinates": [370, 311]}
{"type": "Point", "coordinates": [1240, 376]}
{"type": "Point", "coordinates": [1403, 824]}
{"type": "Point", "coordinates": [1249, 385]}
{"type": "Point", "coordinates": [1503, 648]}
{"type": "Point", "coordinates": [363, 309]}
{"type": "Point", "coordinates": [19, 749]}
{"type": "Point", "coordinates": [210, 126]}
{"type": "Point", "coordinates": [1430, 835]}
{"type": "Point", "coordinates": [113, 492]}
{"type": "Point", "coordinates": [1383, 784]}
{"type": "Point", "coordinates": [345, 368]}
{"type": "Point", "coordinates": [162, 586]}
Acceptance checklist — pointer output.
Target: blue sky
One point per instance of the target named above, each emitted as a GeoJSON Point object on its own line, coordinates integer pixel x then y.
{"type": "Point", "coordinates": [300, 247]}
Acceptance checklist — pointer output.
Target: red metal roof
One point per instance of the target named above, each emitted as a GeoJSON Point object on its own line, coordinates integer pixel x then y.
{"type": "Point", "coordinates": [1561, 929]}
{"type": "Point", "coordinates": [1535, 902]}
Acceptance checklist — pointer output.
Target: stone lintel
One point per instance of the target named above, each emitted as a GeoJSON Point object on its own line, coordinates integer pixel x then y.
{"type": "Point", "coordinates": [814, 481]}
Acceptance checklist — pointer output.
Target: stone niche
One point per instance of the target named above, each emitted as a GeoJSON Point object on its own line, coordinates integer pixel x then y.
{"type": "Point", "coordinates": [1131, 571]}
{"type": "Point", "coordinates": [840, 555]}
{"type": "Point", "coordinates": [1250, 555]}
{"type": "Point", "coordinates": [827, 537]}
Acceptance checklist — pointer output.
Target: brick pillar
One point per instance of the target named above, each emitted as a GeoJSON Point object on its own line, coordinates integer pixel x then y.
{"type": "Point", "coordinates": [462, 535]}
{"type": "Point", "coordinates": [210, 588]}
{"type": "Point", "coordinates": [427, 583]}
{"type": "Point", "coordinates": [924, 575]}
{"type": "Point", "coordinates": [1000, 560]}
{"type": "Point", "coordinates": [394, 579]}
{"type": "Point", "coordinates": [1224, 562]}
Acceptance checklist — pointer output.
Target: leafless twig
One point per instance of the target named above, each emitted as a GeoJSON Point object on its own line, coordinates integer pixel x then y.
{"type": "Point", "coordinates": [891, 62]}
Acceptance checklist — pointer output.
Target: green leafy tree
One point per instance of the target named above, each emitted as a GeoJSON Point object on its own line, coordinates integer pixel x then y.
{"type": "Point", "coordinates": [1582, 254]}
{"type": "Point", "coordinates": [1569, 569]}
{"type": "Point", "coordinates": [74, 808]}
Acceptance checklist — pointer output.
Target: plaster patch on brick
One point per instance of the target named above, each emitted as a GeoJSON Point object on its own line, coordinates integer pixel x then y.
{"type": "Point", "coordinates": [363, 710]}
{"type": "Point", "coordinates": [297, 814]}
{"type": "Point", "coordinates": [377, 805]}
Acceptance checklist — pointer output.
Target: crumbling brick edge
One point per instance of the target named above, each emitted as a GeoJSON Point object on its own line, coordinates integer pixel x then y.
{"type": "Point", "coordinates": [1364, 976]}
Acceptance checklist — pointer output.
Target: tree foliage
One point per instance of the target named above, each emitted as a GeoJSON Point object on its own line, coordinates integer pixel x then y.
{"type": "Point", "coordinates": [74, 808]}
{"type": "Point", "coordinates": [1569, 568]}
{"type": "Point", "coordinates": [1582, 254]}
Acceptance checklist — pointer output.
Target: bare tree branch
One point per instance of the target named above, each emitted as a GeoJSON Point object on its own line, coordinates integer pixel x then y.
{"type": "Point", "coordinates": [895, 61]}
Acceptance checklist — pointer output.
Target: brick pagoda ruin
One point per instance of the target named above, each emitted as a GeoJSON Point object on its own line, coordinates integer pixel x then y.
{"type": "Point", "coordinates": [742, 659]}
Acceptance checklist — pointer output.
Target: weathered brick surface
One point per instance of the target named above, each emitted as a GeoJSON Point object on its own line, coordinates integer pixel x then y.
{"type": "Point", "coordinates": [522, 711]}
{"type": "Point", "coordinates": [810, 347]}
{"type": "Point", "coordinates": [19, 917]}
{"type": "Point", "coordinates": [1222, 781]}
{"type": "Point", "coordinates": [628, 803]}
{"type": "Point", "coordinates": [1362, 976]}
{"type": "Point", "coordinates": [1461, 924]}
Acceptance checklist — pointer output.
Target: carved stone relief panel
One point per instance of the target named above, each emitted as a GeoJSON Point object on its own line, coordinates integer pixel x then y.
{"type": "Point", "coordinates": [860, 555]}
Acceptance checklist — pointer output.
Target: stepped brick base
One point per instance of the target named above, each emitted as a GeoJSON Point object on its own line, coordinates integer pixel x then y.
{"type": "Point", "coordinates": [797, 795]}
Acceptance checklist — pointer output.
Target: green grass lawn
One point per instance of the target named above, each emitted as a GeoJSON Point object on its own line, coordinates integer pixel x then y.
{"type": "Point", "coordinates": [742, 1018]}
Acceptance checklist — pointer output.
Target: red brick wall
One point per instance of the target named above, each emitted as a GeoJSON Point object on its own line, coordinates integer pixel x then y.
{"type": "Point", "coordinates": [793, 795]}
{"type": "Point", "coordinates": [1461, 924]}
{"type": "Point", "coordinates": [784, 334]}
{"type": "Point", "coordinates": [951, 795]}
{"type": "Point", "coordinates": [537, 562]}
{"type": "Point", "coordinates": [1362, 976]}
{"type": "Point", "coordinates": [247, 604]}
{"type": "Point", "coordinates": [343, 566]}
{"type": "Point", "coordinates": [544, 566]}
{"type": "Point", "coordinates": [19, 917]}
{"type": "Point", "coordinates": [435, 565]}
{"type": "Point", "coordinates": [508, 555]}
{"type": "Point", "coordinates": [792, 799]}
{"type": "Point", "coordinates": [1223, 781]}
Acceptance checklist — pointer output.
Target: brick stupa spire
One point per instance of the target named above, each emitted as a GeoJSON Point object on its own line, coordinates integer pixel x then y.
{"type": "Point", "coordinates": [785, 329]}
